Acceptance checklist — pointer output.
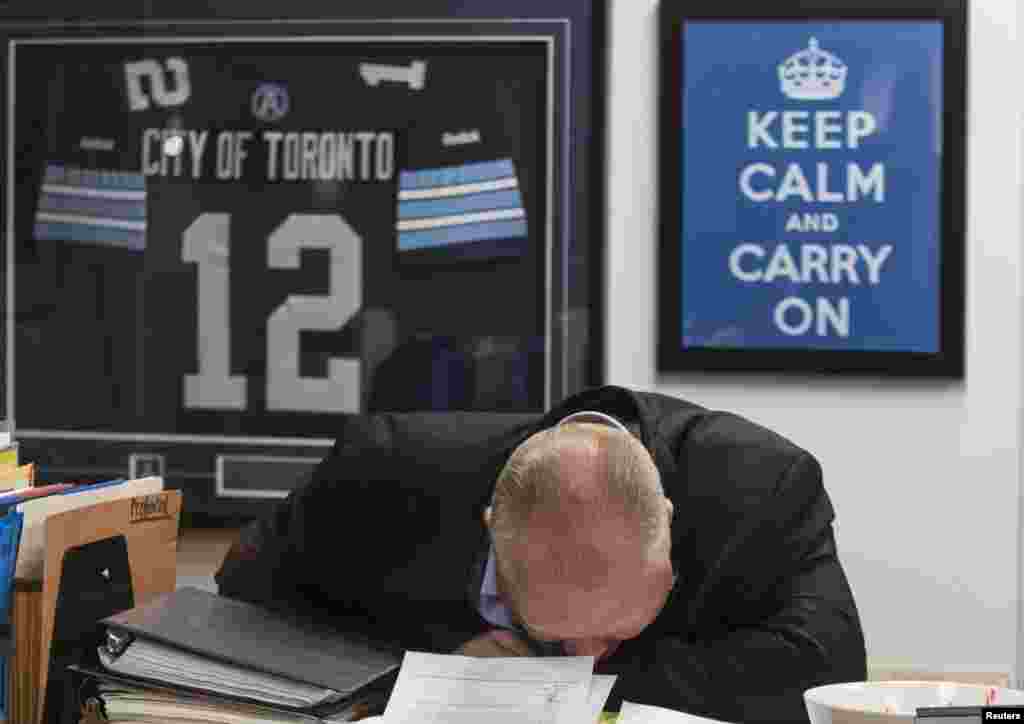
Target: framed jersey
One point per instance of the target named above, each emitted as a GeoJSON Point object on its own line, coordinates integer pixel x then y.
{"type": "Point", "coordinates": [224, 237]}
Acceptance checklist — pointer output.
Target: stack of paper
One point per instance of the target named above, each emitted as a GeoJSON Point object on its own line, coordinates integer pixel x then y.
{"type": "Point", "coordinates": [550, 690]}
{"type": "Point", "coordinates": [465, 690]}
{"type": "Point", "coordinates": [159, 662]}
{"type": "Point", "coordinates": [125, 703]}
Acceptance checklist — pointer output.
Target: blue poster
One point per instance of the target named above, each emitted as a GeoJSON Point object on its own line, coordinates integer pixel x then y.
{"type": "Point", "coordinates": [811, 185]}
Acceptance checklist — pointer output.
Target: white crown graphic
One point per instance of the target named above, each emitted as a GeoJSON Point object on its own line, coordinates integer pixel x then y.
{"type": "Point", "coordinates": [813, 74]}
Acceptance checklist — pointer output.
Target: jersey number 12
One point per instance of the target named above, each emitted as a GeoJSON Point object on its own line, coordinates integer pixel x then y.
{"type": "Point", "coordinates": [207, 243]}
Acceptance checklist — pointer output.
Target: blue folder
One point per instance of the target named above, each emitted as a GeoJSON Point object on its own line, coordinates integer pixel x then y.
{"type": "Point", "coordinates": [10, 537]}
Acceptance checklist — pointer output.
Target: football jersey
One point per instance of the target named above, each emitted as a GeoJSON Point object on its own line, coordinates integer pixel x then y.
{"type": "Point", "coordinates": [216, 227]}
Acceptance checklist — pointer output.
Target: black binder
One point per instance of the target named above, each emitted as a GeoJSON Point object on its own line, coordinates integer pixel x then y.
{"type": "Point", "coordinates": [252, 638]}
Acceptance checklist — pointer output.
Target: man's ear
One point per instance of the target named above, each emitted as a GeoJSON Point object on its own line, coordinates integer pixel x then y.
{"type": "Point", "coordinates": [670, 508]}
{"type": "Point", "coordinates": [487, 517]}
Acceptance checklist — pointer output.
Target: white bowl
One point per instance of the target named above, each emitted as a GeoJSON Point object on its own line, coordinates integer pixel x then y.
{"type": "Point", "coordinates": [874, 702]}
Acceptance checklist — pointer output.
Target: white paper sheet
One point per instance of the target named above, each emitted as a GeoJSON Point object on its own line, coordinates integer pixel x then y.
{"type": "Point", "coordinates": [645, 714]}
{"type": "Point", "coordinates": [448, 689]}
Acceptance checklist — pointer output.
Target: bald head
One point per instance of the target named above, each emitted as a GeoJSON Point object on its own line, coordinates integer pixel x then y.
{"type": "Point", "coordinates": [575, 501]}
{"type": "Point", "coordinates": [581, 536]}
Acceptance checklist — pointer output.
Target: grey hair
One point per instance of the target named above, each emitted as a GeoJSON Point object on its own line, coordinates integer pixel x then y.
{"type": "Point", "coordinates": [537, 477]}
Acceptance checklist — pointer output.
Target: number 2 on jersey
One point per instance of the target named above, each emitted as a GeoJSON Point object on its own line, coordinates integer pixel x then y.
{"type": "Point", "coordinates": [207, 243]}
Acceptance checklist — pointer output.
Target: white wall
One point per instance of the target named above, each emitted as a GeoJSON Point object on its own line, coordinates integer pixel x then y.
{"type": "Point", "coordinates": [924, 476]}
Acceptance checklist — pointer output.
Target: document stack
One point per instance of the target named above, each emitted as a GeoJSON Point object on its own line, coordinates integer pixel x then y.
{"type": "Point", "coordinates": [193, 657]}
{"type": "Point", "coordinates": [446, 689]}
{"type": "Point", "coordinates": [463, 689]}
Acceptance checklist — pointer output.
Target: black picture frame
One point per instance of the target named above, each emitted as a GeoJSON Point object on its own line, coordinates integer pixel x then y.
{"type": "Point", "coordinates": [571, 269]}
{"type": "Point", "coordinates": [743, 353]}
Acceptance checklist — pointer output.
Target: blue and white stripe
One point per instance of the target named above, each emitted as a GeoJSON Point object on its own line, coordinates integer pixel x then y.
{"type": "Point", "coordinates": [106, 208]}
{"type": "Point", "coordinates": [457, 204]}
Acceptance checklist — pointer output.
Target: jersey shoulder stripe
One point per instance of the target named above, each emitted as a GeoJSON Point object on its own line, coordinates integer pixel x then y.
{"type": "Point", "coordinates": [92, 206]}
{"type": "Point", "coordinates": [455, 204]}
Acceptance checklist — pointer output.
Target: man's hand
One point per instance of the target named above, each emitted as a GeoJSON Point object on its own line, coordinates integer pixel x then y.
{"type": "Point", "coordinates": [495, 643]}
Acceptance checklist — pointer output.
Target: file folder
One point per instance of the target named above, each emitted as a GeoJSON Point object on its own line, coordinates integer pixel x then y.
{"type": "Point", "coordinates": [10, 534]}
{"type": "Point", "coordinates": [38, 510]}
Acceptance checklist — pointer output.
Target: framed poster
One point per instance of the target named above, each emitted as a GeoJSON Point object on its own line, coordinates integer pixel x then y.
{"type": "Point", "coordinates": [812, 187]}
{"type": "Point", "coordinates": [225, 236]}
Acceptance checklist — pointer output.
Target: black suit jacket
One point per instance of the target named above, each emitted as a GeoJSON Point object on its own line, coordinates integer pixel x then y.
{"type": "Point", "coordinates": [387, 537]}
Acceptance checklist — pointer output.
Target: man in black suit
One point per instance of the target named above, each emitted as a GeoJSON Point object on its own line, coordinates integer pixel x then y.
{"type": "Point", "coordinates": [690, 551]}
